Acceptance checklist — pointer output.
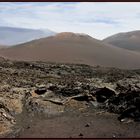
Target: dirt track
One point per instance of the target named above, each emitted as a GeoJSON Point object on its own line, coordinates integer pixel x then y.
{"type": "Point", "coordinates": [80, 125]}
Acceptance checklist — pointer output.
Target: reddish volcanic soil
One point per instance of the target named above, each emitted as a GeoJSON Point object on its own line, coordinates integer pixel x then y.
{"type": "Point", "coordinates": [80, 125]}
{"type": "Point", "coordinates": [74, 48]}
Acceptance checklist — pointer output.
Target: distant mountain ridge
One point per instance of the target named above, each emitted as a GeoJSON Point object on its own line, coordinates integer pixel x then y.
{"type": "Point", "coordinates": [70, 47]}
{"type": "Point", "coordinates": [3, 46]}
{"type": "Point", "coordinates": [126, 40]}
{"type": "Point", "coordinates": [14, 35]}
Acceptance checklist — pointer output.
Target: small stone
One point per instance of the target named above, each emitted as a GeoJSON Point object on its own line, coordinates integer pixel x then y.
{"type": "Point", "coordinates": [87, 125]}
{"type": "Point", "coordinates": [40, 90]}
{"type": "Point", "coordinates": [28, 127]}
{"type": "Point", "coordinates": [81, 134]}
{"type": "Point", "coordinates": [114, 136]}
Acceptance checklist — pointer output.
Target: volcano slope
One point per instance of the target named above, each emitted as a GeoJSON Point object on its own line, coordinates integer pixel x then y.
{"type": "Point", "coordinates": [126, 40]}
{"type": "Point", "coordinates": [73, 48]}
{"type": "Point", "coordinates": [53, 100]}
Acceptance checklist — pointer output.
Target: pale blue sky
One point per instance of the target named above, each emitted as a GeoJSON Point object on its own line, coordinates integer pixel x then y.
{"type": "Point", "coordinates": [96, 19]}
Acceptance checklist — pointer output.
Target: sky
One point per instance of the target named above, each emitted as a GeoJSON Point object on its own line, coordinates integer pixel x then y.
{"type": "Point", "coordinates": [98, 20]}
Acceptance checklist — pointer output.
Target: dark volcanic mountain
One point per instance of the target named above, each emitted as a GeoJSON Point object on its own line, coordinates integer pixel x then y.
{"type": "Point", "coordinates": [12, 36]}
{"type": "Point", "coordinates": [128, 40]}
{"type": "Point", "coordinates": [73, 48]}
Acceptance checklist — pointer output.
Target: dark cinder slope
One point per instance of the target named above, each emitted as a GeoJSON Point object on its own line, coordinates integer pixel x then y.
{"type": "Point", "coordinates": [73, 48]}
{"type": "Point", "coordinates": [128, 40]}
{"type": "Point", "coordinates": [12, 35]}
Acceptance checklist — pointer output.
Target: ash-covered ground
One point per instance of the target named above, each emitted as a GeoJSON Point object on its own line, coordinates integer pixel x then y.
{"type": "Point", "coordinates": [49, 100]}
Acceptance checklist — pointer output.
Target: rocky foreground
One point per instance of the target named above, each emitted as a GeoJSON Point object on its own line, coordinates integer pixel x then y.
{"type": "Point", "coordinates": [39, 99]}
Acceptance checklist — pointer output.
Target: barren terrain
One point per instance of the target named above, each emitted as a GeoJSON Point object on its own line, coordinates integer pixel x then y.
{"type": "Point", "coordinates": [126, 40]}
{"type": "Point", "coordinates": [73, 48]}
{"type": "Point", "coordinates": [40, 99]}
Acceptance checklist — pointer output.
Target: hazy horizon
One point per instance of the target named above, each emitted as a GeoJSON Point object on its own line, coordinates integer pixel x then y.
{"type": "Point", "coordinates": [98, 20]}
